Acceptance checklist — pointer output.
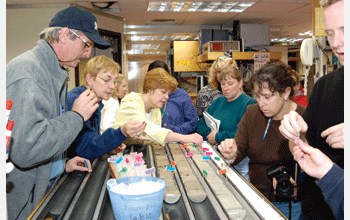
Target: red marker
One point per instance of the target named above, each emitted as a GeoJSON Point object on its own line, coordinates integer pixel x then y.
{"type": "Point", "coordinates": [9, 128]}
{"type": "Point", "coordinates": [173, 163]}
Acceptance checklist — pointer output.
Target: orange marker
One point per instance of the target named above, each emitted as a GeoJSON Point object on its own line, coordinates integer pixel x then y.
{"type": "Point", "coordinates": [173, 163]}
{"type": "Point", "coordinates": [222, 171]}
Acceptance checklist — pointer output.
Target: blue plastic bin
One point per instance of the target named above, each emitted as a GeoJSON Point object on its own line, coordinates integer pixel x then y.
{"type": "Point", "coordinates": [136, 207]}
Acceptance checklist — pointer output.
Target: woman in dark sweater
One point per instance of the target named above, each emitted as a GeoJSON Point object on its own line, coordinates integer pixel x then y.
{"type": "Point", "coordinates": [258, 135]}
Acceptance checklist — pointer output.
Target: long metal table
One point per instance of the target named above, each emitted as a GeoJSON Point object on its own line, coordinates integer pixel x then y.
{"type": "Point", "coordinates": [196, 190]}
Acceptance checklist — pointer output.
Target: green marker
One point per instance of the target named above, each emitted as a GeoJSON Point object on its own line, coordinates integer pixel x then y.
{"type": "Point", "coordinates": [205, 173]}
{"type": "Point", "coordinates": [217, 158]}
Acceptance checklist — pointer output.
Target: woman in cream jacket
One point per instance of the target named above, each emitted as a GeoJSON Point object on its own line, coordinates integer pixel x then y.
{"type": "Point", "coordinates": [157, 85]}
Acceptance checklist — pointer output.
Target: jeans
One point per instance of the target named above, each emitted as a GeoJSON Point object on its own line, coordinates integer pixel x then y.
{"type": "Point", "coordinates": [243, 167]}
{"type": "Point", "coordinates": [284, 208]}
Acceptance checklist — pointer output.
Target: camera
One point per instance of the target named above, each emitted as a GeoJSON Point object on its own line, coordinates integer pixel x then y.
{"type": "Point", "coordinates": [284, 187]}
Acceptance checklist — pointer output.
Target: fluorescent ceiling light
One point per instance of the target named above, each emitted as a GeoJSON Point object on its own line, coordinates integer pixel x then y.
{"type": "Point", "coordinates": [306, 33]}
{"type": "Point", "coordinates": [168, 37]}
{"type": "Point", "coordinates": [199, 6]}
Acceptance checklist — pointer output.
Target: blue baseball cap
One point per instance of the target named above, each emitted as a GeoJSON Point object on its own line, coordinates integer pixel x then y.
{"type": "Point", "coordinates": [79, 19]}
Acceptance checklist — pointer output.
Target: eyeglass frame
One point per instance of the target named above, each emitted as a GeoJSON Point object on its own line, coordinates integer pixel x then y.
{"type": "Point", "coordinates": [108, 81]}
{"type": "Point", "coordinates": [87, 44]}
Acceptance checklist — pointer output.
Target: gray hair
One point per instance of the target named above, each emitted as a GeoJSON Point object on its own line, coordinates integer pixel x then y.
{"type": "Point", "coordinates": [326, 3]}
{"type": "Point", "coordinates": [51, 34]}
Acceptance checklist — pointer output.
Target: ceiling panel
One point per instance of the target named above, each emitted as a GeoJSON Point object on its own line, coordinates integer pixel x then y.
{"type": "Point", "coordinates": [286, 18]}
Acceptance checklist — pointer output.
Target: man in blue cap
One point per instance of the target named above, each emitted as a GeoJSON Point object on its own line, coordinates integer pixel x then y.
{"type": "Point", "coordinates": [36, 82]}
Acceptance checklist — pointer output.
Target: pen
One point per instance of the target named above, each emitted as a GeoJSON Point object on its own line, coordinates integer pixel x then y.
{"type": "Point", "coordinates": [86, 164]}
{"type": "Point", "coordinates": [267, 128]}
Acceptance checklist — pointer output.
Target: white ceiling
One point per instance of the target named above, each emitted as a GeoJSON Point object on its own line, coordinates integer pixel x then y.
{"type": "Point", "coordinates": [286, 18]}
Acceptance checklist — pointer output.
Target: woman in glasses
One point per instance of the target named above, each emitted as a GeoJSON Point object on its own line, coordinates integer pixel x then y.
{"type": "Point", "coordinates": [111, 106]}
{"type": "Point", "coordinates": [100, 76]}
{"type": "Point", "coordinates": [259, 138]}
{"type": "Point", "coordinates": [158, 84]}
{"type": "Point", "coordinates": [213, 90]}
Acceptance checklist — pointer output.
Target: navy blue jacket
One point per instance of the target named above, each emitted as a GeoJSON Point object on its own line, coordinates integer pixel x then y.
{"type": "Point", "coordinates": [89, 144]}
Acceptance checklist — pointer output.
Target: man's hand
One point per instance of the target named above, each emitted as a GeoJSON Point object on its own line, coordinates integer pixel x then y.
{"type": "Point", "coordinates": [77, 163]}
{"type": "Point", "coordinates": [335, 136]}
{"type": "Point", "coordinates": [228, 148]}
{"type": "Point", "coordinates": [86, 104]}
{"type": "Point", "coordinates": [311, 160]}
{"type": "Point", "coordinates": [292, 126]}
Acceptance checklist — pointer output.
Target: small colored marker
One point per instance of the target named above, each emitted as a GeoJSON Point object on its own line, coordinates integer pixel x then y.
{"type": "Point", "coordinates": [173, 163]}
{"type": "Point", "coordinates": [151, 170]}
{"type": "Point", "coordinates": [217, 158]}
{"type": "Point", "coordinates": [205, 173]}
{"type": "Point", "coordinates": [189, 154]}
{"type": "Point", "coordinates": [86, 164]}
{"type": "Point", "coordinates": [208, 153]}
{"type": "Point", "coordinates": [222, 171]}
{"type": "Point", "coordinates": [119, 160]}
{"type": "Point", "coordinates": [205, 149]}
{"type": "Point", "coordinates": [205, 158]}
{"type": "Point", "coordinates": [170, 168]}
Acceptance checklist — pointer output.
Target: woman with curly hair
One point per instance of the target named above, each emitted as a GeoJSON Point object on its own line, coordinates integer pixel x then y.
{"type": "Point", "coordinates": [213, 90]}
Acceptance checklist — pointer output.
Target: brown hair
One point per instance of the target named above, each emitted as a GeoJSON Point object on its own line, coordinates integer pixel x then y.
{"type": "Point", "coordinates": [219, 64]}
{"type": "Point", "coordinates": [277, 75]}
{"type": "Point", "coordinates": [96, 64]}
{"type": "Point", "coordinates": [159, 78]}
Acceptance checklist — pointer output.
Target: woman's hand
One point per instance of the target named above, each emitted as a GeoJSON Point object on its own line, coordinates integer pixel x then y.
{"type": "Point", "coordinates": [211, 137]}
{"type": "Point", "coordinates": [118, 150]}
{"type": "Point", "coordinates": [134, 129]}
{"type": "Point", "coordinates": [194, 138]}
{"type": "Point", "coordinates": [228, 148]}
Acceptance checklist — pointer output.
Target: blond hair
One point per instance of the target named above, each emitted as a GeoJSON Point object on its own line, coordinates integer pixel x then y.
{"type": "Point", "coordinates": [159, 78]}
{"type": "Point", "coordinates": [117, 85]}
{"type": "Point", "coordinates": [98, 63]}
{"type": "Point", "coordinates": [234, 72]}
{"type": "Point", "coordinates": [219, 64]}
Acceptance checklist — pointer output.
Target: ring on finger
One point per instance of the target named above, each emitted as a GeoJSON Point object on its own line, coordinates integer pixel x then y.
{"type": "Point", "coordinates": [137, 134]}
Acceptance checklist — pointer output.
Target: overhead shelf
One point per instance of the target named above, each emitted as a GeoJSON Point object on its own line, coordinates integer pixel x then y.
{"type": "Point", "coordinates": [211, 56]}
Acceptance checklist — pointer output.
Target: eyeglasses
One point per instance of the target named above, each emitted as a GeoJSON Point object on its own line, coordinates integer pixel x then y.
{"type": "Point", "coordinates": [87, 44]}
{"type": "Point", "coordinates": [109, 81]}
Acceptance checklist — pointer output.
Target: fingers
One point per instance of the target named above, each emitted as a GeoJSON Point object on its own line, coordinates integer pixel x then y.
{"type": "Point", "coordinates": [79, 164]}
{"type": "Point", "coordinates": [134, 129]}
{"type": "Point", "coordinates": [292, 125]}
{"type": "Point", "coordinates": [228, 148]}
{"type": "Point", "coordinates": [335, 136]}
